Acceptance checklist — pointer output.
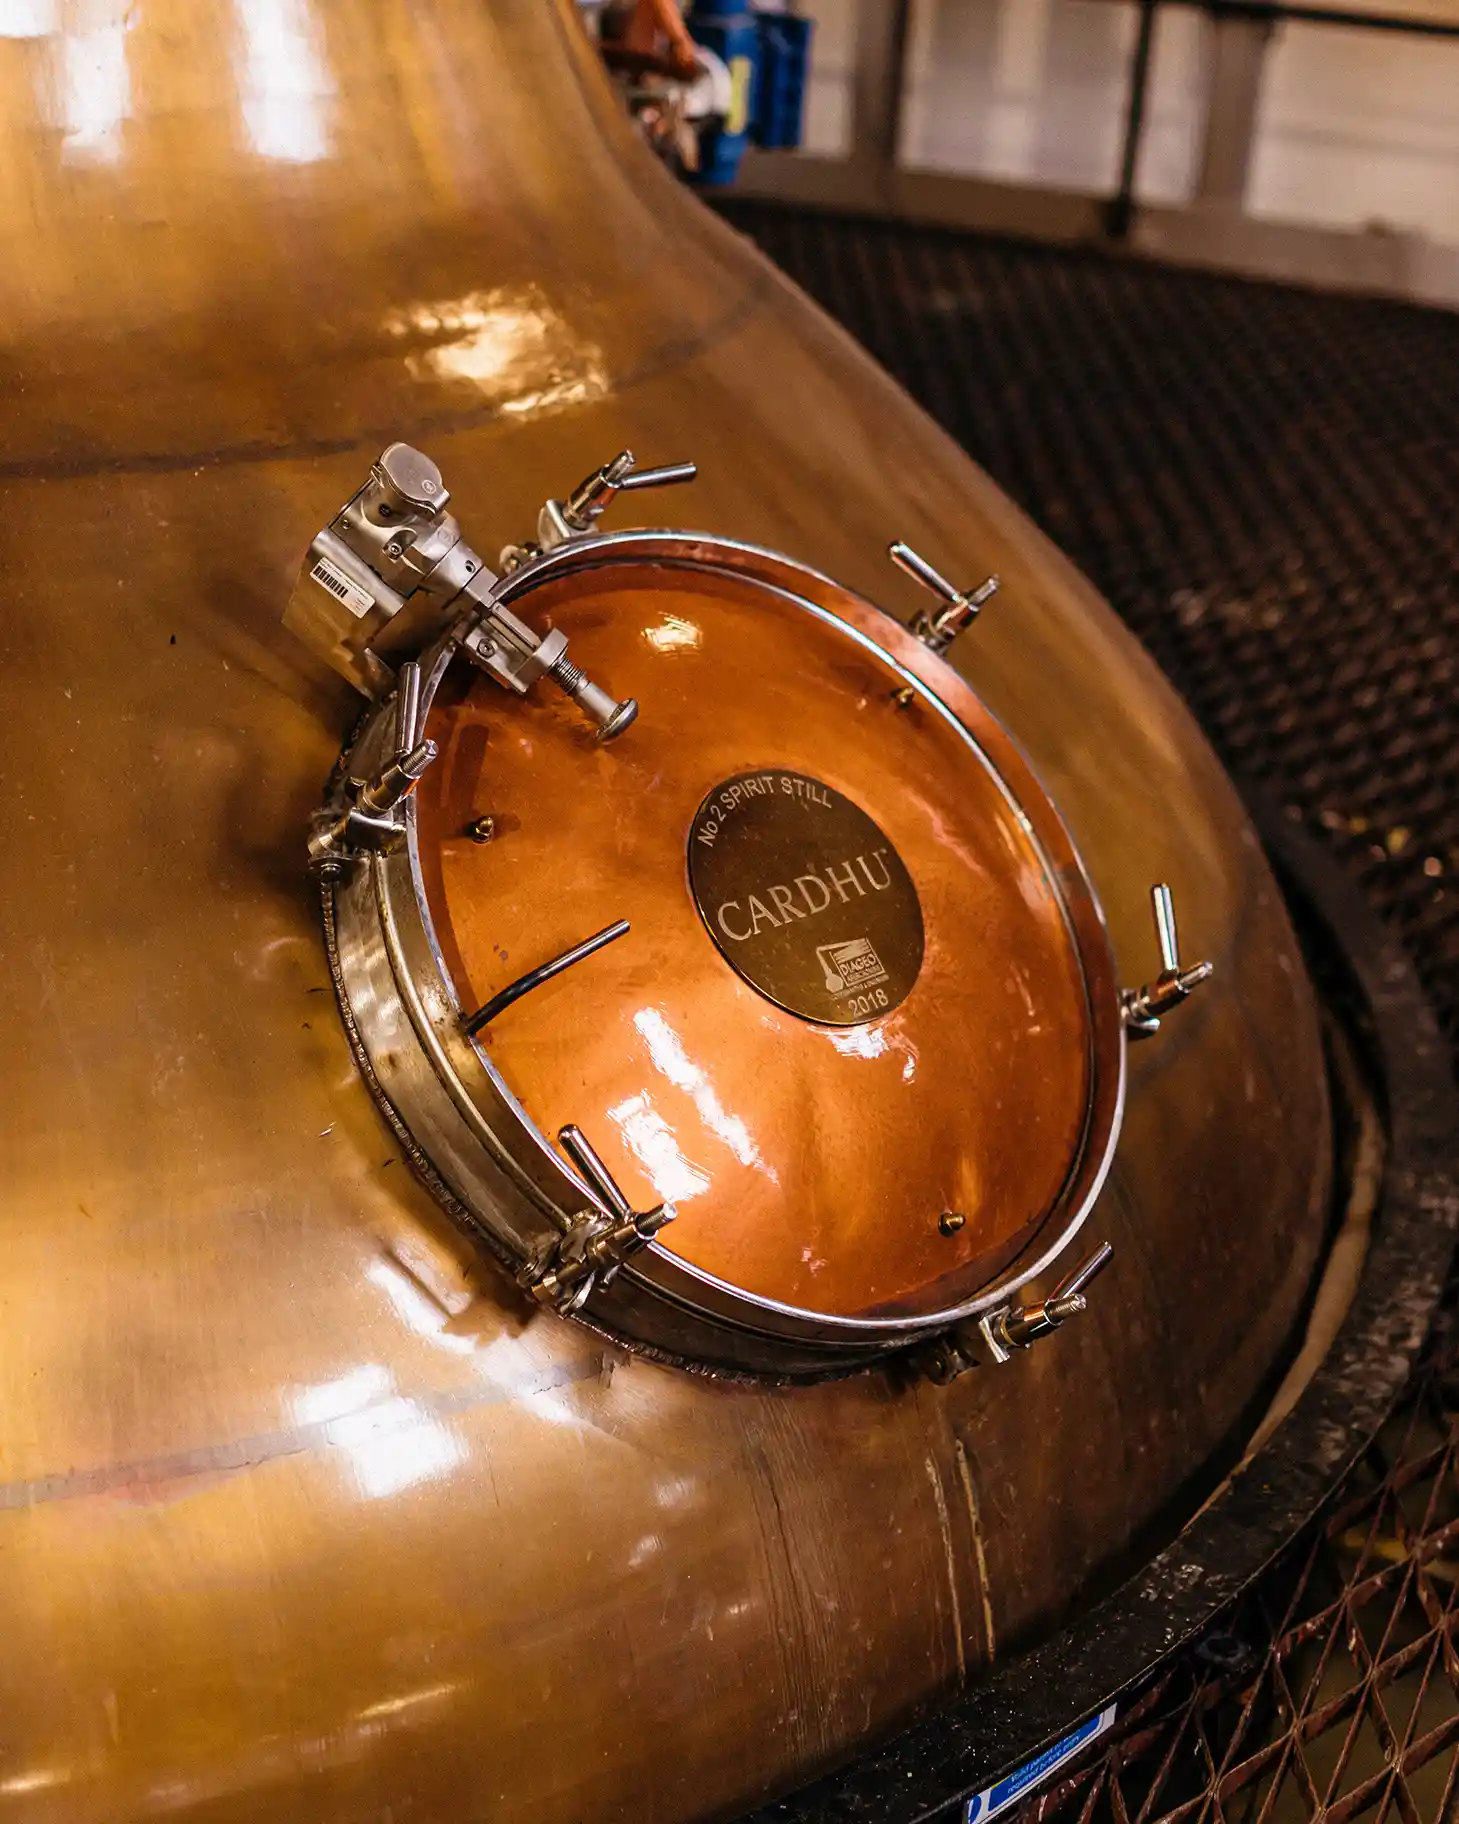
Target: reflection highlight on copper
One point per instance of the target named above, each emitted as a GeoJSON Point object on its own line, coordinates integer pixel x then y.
{"type": "Point", "coordinates": [666, 1049]}
{"type": "Point", "coordinates": [95, 87]}
{"type": "Point", "coordinates": [651, 1141]}
{"type": "Point", "coordinates": [409, 1700]}
{"type": "Point", "coordinates": [875, 1042]}
{"type": "Point", "coordinates": [391, 1442]}
{"type": "Point", "coordinates": [37, 1781]}
{"type": "Point", "coordinates": [415, 1305]}
{"type": "Point", "coordinates": [510, 344]}
{"type": "Point", "coordinates": [284, 81]}
{"type": "Point", "coordinates": [674, 634]}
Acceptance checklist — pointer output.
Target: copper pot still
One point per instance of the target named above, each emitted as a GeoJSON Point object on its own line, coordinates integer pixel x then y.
{"type": "Point", "coordinates": [568, 1083]}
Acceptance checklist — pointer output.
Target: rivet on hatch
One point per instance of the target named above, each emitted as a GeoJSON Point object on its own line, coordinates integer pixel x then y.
{"type": "Point", "coordinates": [481, 829]}
{"type": "Point", "coordinates": [950, 1221]}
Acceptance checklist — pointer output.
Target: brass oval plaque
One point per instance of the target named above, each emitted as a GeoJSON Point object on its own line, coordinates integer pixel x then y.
{"type": "Point", "coordinates": [805, 897]}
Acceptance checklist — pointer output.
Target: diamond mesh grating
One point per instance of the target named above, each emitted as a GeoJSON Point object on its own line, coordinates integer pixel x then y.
{"type": "Point", "coordinates": [1333, 1689]}
{"type": "Point", "coordinates": [1265, 484]}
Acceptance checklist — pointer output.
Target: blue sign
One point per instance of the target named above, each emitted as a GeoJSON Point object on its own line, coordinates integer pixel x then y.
{"type": "Point", "coordinates": [993, 1799]}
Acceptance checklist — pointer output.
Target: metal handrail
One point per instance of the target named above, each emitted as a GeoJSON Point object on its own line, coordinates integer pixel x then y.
{"type": "Point", "coordinates": [1121, 208]}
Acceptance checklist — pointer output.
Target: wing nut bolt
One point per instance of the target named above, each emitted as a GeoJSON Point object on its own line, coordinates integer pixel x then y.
{"type": "Point", "coordinates": [1013, 1326]}
{"type": "Point", "coordinates": [960, 607]}
{"type": "Point", "coordinates": [1144, 1008]}
{"type": "Point", "coordinates": [590, 1255]}
{"type": "Point", "coordinates": [367, 814]}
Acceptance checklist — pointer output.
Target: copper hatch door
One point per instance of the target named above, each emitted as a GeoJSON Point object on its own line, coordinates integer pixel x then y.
{"type": "Point", "coordinates": [842, 1007]}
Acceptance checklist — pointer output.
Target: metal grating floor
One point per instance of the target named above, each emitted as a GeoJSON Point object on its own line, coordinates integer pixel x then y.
{"type": "Point", "coordinates": [1333, 1690]}
{"type": "Point", "coordinates": [1263, 481]}
{"type": "Point", "coordinates": [1265, 484]}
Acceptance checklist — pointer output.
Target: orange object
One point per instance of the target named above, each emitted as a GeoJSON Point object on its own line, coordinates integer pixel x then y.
{"type": "Point", "coordinates": [656, 28]}
{"type": "Point", "coordinates": [810, 1162]}
{"type": "Point", "coordinates": [305, 1513]}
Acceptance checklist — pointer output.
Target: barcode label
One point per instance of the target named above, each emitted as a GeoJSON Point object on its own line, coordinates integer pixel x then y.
{"type": "Point", "coordinates": [339, 585]}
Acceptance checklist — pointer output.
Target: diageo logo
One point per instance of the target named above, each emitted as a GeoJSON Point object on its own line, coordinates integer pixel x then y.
{"type": "Point", "coordinates": [805, 896]}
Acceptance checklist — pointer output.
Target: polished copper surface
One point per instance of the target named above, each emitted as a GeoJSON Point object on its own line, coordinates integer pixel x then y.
{"type": "Point", "coordinates": [303, 1516]}
{"type": "Point", "coordinates": [809, 1163]}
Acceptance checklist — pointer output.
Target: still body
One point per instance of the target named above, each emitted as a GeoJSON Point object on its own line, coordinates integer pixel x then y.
{"type": "Point", "coordinates": [305, 1512]}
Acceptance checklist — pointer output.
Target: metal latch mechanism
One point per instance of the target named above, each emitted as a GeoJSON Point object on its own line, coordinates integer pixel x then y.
{"type": "Point", "coordinates": [960, 607]}
{"type": "Point", "coordinates": [391, 573]}
{"type": "Point", "coordinates": [578, 515]}
{"type": "Point", "coordinates": [1144, 1008]}
{"type": "Point", "coordinates": [1019, 1326]}
{"type": "Point", "coordinates": [365, 814]}
{"type": "Point", "coordinates": [590, 1255]}
{"type": "Point", "coordinates": [1011, 1326]}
